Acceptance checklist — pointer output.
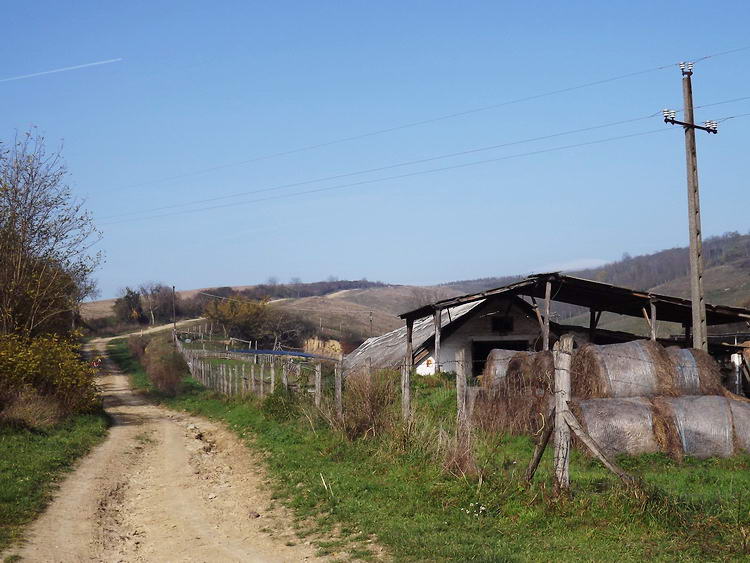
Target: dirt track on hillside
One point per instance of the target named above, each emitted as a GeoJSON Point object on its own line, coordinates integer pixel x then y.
{"type": "Point", "coordinates": [164, 486]}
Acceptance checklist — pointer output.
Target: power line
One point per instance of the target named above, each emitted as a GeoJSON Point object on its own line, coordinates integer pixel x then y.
{"type": "Point", "coordinates": [427, 121]}
{"type": "Point", "coordinates": [404, 163]}
{"type": "Point", "coordinates": [394, 177]}
{"type": "Point", "coordinates": [389, 166]}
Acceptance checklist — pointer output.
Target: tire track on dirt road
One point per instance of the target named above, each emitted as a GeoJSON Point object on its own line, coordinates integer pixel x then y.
{"type": "Point", "coordinates": [163, 486]}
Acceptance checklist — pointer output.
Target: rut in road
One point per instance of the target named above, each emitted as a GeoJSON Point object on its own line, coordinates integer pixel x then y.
{"type": "Point", "coordinates": [163, 486]}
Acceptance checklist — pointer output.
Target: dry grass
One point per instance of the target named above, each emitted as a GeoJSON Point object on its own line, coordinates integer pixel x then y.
{"type": "Point", "coordinates": [585, 374]}
{"type": "Point", "coordinates": [665, 429]}
{"type": "Point", "coordinates": [29, 409]}
{"type": "Point", "coordinates": [709, 373]}
{"type": "Point", "coordinates": [368, 403]}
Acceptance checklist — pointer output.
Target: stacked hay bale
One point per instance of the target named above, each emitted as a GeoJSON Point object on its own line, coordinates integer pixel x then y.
{"type": "Point", "coordinates": [632, 398]}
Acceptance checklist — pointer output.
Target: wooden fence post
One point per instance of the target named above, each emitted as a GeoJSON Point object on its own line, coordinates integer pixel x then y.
{"type": "Point", "coordinates": [406, 372]}
{"type": "Point", "coordinates": [253, 383]}
{"type": "Point", "coordinates": [337, 382]}
{"type": "Point", "coordinates": [318, 383]}
{"type": "Point", "coordinates": [285, 375]}
{"type": "Point", "coordinates": [273, 376]}
{"type": "Point", "coordinates": [262, 378]}
{"type": "Point", "coordinates": [563, 351]}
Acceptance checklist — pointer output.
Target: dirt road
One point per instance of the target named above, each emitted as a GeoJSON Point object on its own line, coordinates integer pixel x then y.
{"type": "Point", "coordinates": [163, 487]}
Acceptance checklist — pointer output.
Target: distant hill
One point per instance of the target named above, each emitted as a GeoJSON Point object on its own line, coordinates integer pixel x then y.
{"type": "Point", "coordinates": [341, 308]}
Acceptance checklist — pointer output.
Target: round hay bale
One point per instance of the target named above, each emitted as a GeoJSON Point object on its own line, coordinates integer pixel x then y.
{"type": "Point", "coordinates": [741, 422]}
{"type": "Point", "coordinates": [665, 428]}
{"type": "Point", "coordinates": [688, 373]}
{"type": "Point", "coordinates": [619, 426]}
{"type": "Point", "coordinates": [640, 368]}
{"type": "Point", "coordinates": [708, 373]}
{"type": "Point", "coordinates": [704, 425]}
{"type": "Point", "coordinates": [496, 367]}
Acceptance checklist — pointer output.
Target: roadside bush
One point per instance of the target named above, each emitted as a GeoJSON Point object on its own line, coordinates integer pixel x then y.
{"type": "Point", "coordinates": [42, 380]}
{"type": "Point", "coordinates": [164, 365]}
{"type": "Point", "coordinates": [368, 403]}
{"type": "Point", "coordinates": [137, 346]}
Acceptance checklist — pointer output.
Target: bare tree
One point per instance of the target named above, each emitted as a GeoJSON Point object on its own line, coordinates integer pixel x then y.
{"type": "Point", "coordinates": [46, 237]}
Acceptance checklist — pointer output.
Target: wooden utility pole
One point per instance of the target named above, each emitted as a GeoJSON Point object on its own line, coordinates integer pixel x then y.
{"type": "Point", "coordinates": [700, 336]}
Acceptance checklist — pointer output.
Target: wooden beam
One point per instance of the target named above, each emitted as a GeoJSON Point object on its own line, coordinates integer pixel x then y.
{"type": "Point", "coordinates": [318, 384]}
{"type": "Point", "coordinates": [337, 382]}
{"type": "Point", "coordinates": [438, 316]}
{"type": "Point", "coordinates": [547, 299]}
{"type": "Point", "coordinates": [593, 321]}
{"type": "Point", "coordinates": [549, 425]}
{"type": "Point", "coordinates": [406, 372]}
{"type": "Point", "coordinates": [562, 358]}
{"type": "Point", "coordinates": [591, 444]}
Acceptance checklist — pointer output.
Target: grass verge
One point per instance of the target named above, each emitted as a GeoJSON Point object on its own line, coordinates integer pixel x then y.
{"type": "Point", "coordinates": [32, 463]}
{"type": "Point", "coordinates": [394, 487]}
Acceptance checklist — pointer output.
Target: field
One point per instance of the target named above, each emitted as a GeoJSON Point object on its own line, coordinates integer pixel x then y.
{"type": "Point", "coordinates": [395, 487]}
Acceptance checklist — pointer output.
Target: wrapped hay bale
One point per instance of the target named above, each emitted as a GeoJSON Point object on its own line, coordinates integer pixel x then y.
{"type": "Point", "coordinates": [741, 417]}
{"type": "Point", "coordinates": [516, 394]}
{"type": "Point", "coordinates": [704, 425]}
{"type": "Point", "coordinates": [688, 375]}
{"type": "Point", "coordinates": [640, 368]}
{"type": "Point", "coordinates": [496, 367]}
{"type": "Point", "coordinates": [619, 426]}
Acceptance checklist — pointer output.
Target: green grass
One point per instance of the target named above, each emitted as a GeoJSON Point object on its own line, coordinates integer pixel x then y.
{"type": "Point", "coordinates": [33, 462]}
{"type": "Point", "coordinates": [395, 489]}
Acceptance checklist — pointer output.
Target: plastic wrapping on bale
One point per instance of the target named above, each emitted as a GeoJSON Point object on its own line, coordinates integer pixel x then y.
{"type": "Point", "coordinates": [619, 425]}
{"type": "Point", "coordinates": [688, 375]}
{"type": "Point", "coordinates": [708, 372]}
{"type": "Point", "coordinates": [640, 368]}
{"type": "Point", "coordinates": [704, 425]}
{"type": "Point", "coordinates": [741, 418]}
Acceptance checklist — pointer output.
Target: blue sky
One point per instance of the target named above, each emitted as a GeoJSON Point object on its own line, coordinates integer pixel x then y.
{"type": "Point", "coordinates": [204, 86]}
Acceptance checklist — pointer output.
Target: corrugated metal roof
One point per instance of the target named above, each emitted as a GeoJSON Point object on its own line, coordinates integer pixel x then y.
{"type": "Point", "coordinates": [389, 350]}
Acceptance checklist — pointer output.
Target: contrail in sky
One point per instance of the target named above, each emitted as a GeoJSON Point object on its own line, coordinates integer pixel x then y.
{"type": "Point", "coordinates": [64, 69]}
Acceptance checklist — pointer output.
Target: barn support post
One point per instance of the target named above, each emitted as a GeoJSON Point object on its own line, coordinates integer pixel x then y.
{"type": "Point", "coordinates": [562, 358]}
{"type": "Point", "coordinates": [652, 305]}
{"type": "Point", "coordinates": [460, 383]}
{"type": "Point", "coordinates": [545, 328]}
{"type": "Point", "coordinates": [406, 372]}
{"type": "Point", "coordinates": [337, 382]}
{"type": "Point", "coordinates": [594, 317]}
{"type": "Point", "coordinates": [318, 383]}
{"type": "Point", "coordinates": [437, 319]}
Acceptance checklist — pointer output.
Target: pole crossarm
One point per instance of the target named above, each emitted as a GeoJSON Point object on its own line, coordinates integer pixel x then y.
{"type": "Point", "coordinates": [709, 129]}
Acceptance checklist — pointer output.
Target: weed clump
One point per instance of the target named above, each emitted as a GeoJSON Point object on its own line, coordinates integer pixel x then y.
{"type": "Point", "coordinates": [281, 405]}
{"type": "Point", "coordinates": [368, 402]}
{"type": "Point", "coordinates": [165, 366]}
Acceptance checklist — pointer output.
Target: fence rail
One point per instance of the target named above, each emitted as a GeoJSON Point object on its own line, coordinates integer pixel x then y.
{"type": "Point", "coordinates": [259, 372]}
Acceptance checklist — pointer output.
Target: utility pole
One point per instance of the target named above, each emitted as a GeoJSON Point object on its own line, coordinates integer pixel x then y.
{"type": "Point", "coordinates": [700, 333]}
{"type": "Point", "coordinates": [174, 316]}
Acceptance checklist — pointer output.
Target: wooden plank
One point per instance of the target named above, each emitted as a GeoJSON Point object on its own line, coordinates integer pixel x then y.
{"type": "Point", "coordinates": [406, 372]}
{"type": "Point", "coordinates": [541, 445]}
{"type": "Point", "coordinates": [318, 384]}
{"type": "Point", "coordinates": [338, 384]}
{"type": "Point", "coordinates": [562, 358]}
{"type": "Point", "coordinates": [591, 444]}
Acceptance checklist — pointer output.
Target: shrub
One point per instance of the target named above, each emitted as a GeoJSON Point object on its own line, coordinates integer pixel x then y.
{"type": "Point", "coordinates": [368, 402]}
{"type": "Point", "coordinates": [164, 365]}
{"type": "Point", "coordinates": [137, 346]}
{"type": "Point", "coordinates": [44, 375]}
